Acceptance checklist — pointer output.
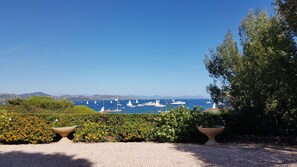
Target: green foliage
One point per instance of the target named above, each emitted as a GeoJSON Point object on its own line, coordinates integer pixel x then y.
{"type": "Point", "coordinates": [132, 131]}
{"type": "Point", "coordinates": [82, 109]}
{"type": "Point", "coordinates": [262, 78]}
{"type": "Point", "coordinates": [120, 127]}
{"type": "Point", "coordinates": [288, 9]}
{"type": "Point", "coordinates": [131, 127]}
{"type": "Point", "coordinates": [16, 129]}
{"type": "Point", "coordinates": [177, 125]}
{"type": "Point", "coordinates": [38, 104]}
{"type": "Point", "coordinates": [209, 120]}
{"type": "Point", "coordinates": [91, 132]}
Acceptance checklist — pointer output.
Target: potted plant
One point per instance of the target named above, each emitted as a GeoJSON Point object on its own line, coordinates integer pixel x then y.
{"type": "Point", "coordinates": [63, 130]}
{"type": "Point", "coordinates": [211, 125]}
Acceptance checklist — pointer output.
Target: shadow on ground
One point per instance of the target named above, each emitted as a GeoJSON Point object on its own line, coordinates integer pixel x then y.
{"type": "Point", "coordinates": [241, 155]}
{"type": "Point", "coordinates": [22, 159]}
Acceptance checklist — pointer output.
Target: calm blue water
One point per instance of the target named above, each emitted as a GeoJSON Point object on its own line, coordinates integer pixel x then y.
{"type": "Point", "coordinates": [112, 104]}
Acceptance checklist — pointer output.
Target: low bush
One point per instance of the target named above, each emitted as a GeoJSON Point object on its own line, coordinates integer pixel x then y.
{"type": "Point", "coordinates": [82, 109]}
{"type": "Point", "coordinates": [38, 104]}
{"type": "Point", "coordinates": [178, 125]}
{"type": "Point", "coordinates": [16, 129]}
{"type": "Point", "coordinates": [91, 132]}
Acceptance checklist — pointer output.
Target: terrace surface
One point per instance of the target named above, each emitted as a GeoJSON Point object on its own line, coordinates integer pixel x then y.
{"type": "Point", "coordinates": [146, 154]}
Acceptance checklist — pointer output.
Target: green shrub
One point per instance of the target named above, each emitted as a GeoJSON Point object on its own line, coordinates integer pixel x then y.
{"type": "Point", "coordinates": [91, 132]}
{"type": "Point", "coordinates": [133, 131]}
{"type": "Point", "coordinates": [120, 127]}
{"type": "Point", "coordinates": [38, 104]}
{"type": "Point", "coordinates": [209, 119]}
{"type": "Point", "coordinates": [176, 125]}
{"type": "Point", "coordinates": [16, 129]}
{"type": "Point", "coordinates": [82, 109]}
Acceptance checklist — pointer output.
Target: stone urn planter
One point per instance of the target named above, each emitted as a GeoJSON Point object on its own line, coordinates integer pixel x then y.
{"type": "Point", "coordinates": [64, 132]}
{"type": "Point", "coordinates": [211, 133]}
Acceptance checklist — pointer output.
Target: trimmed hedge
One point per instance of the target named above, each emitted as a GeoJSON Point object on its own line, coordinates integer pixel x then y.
{"type": "Point", "coordinates": [178, 125]}
{"type": "Point", "coordinates": [90, 127]}
{"type": "Point", "coordinates": [17, 129]}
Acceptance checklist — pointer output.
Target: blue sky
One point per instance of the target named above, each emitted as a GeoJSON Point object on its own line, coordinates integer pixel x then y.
{"type": "Point", "coordinates": [118, 47]}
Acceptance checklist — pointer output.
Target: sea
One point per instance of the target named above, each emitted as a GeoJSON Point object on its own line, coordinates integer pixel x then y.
{"type": "Point", "coordinates": [139, 109]}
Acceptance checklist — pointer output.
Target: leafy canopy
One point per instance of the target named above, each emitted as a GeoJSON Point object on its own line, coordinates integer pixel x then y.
{"type": "Point", "coordinates": [261, 75]}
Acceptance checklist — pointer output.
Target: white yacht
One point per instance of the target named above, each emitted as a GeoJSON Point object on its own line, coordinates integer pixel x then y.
{"type": "Point", "coordinates": [178, 102]}
{"type": "Point", "coordinates": [149, 103]}
{"type": "Point", "coordinates": [140, 105]}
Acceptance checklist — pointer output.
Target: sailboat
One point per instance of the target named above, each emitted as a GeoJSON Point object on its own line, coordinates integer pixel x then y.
{"type": "Point", "coordinates": [158, 104]}
{"type": "Point", "coordinates": [129, 104]}
{"type": "Point", "coordinates": [214, 106]}
{"type": "Point", "coordinates": [102, 108]}
{"type": "Point", "coordinates": [118, 101]}
{"type": "Point", "coordinates": [117, 109]}
{"type": "Point", "coordinates": [87, 102]}
{"type": "Point", "coordinates": [166, 107]}
{"type": "Point", "coordinates": [95, 102]}
{"type": "Point", "coordinates": [138, 105]}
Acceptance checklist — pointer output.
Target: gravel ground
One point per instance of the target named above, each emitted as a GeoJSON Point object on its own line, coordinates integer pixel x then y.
{"type": "Point", "coordinates": [145, 154]}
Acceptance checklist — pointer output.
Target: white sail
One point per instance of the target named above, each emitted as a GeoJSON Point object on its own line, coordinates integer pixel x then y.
{"type": "Point", "coordinates": [129, 104]}
{"type": "Point", "coordinates": [136, 101]}
{"type": "Point", "coordinates": [87, 102]}
{"type": "Point", "coordinates": [158, 104]}
{"type": "Point", "coordinates": [95, 102]}
{"type": "Point", "coordinates": [102, 108]}
{"type": "Point", "coordinates": [110, 101]}
{"type": "Point", "coordinates": [214, 106]}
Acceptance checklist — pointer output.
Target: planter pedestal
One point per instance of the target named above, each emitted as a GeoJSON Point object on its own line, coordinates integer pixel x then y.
{"type": "Point", "coordinates": [211, 133]}
{"type": "Point", "coordinates": [64, 132]}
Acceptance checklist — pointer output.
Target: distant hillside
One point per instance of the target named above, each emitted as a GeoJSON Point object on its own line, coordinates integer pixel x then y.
{"type": "Point", "coordinates": [28, 95]}
{"type": "Point", "coordinates": [95, 97]}
{"type": "Point", "coordinates": [8, 96]}
{"type": "Point", "coordinates": [5, 97]}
